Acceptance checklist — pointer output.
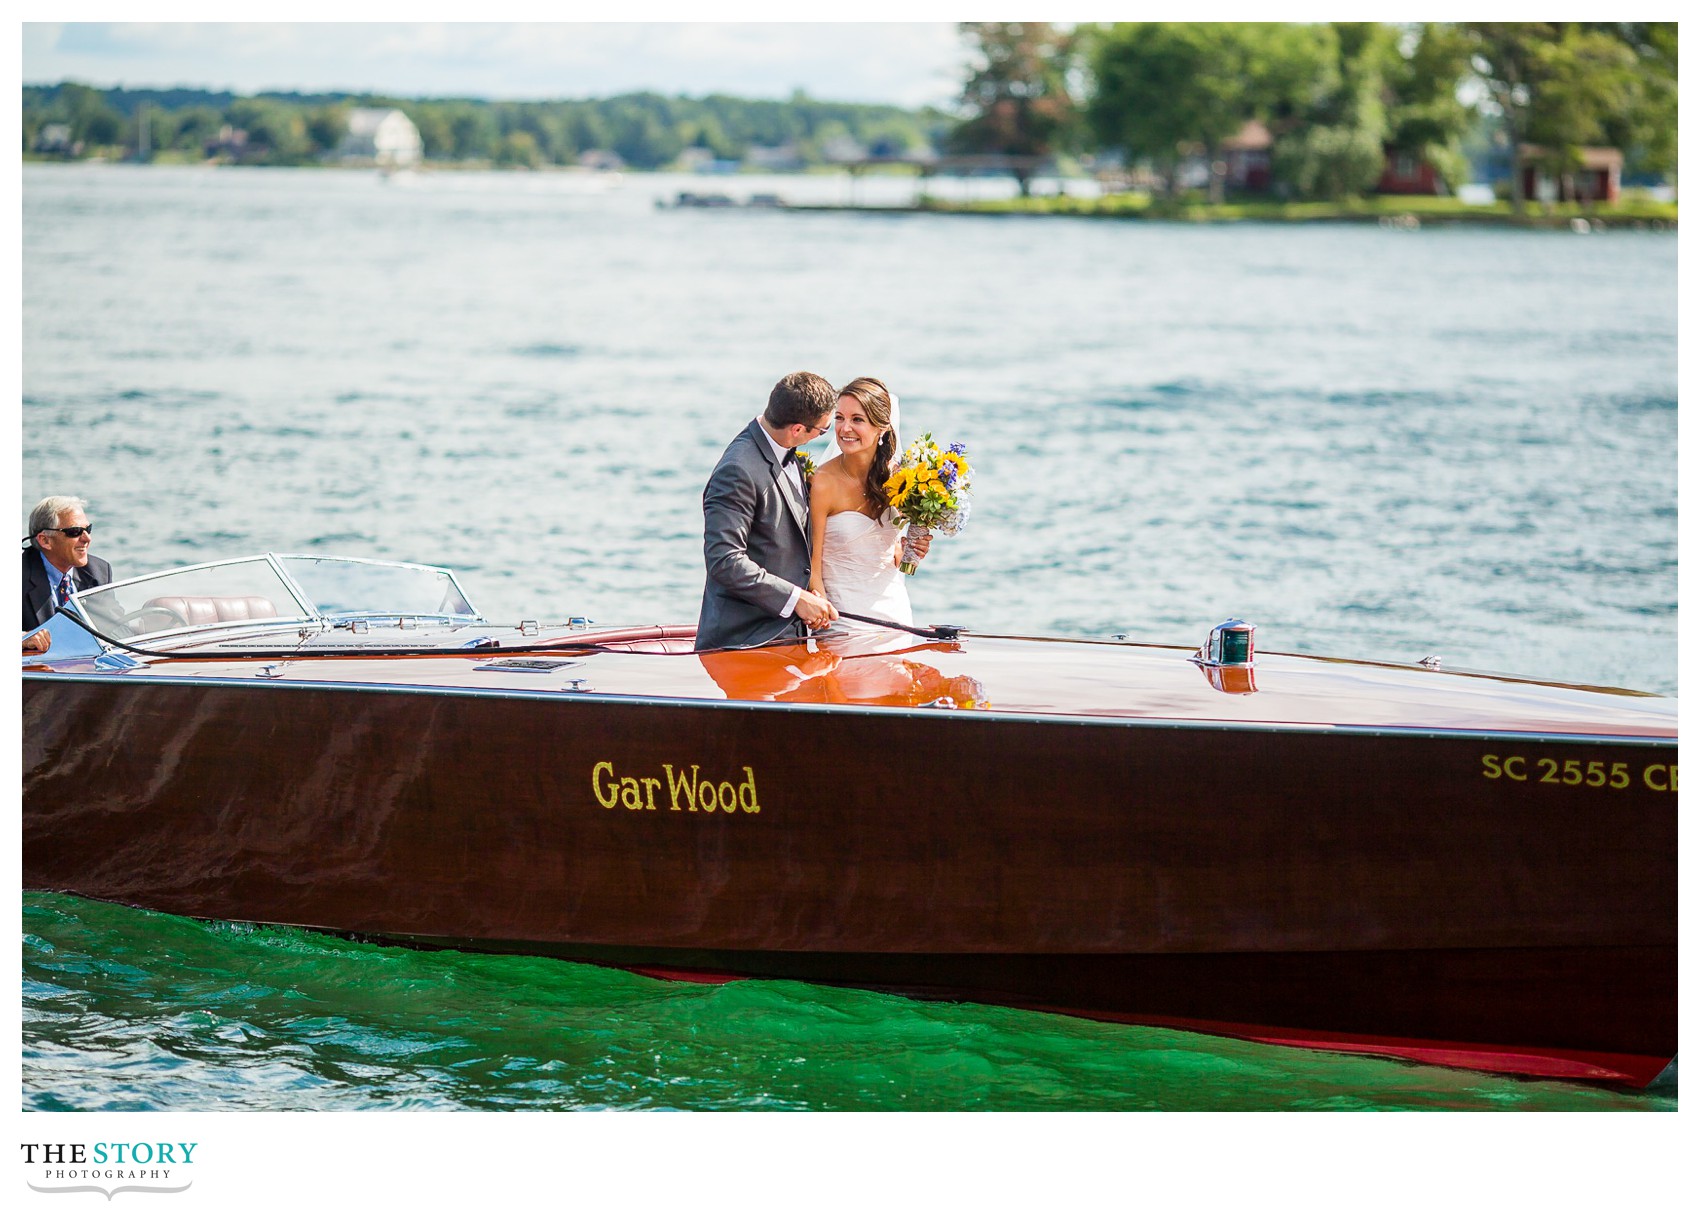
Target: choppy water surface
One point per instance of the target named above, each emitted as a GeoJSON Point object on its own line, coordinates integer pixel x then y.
{"type": "Point", "coordinates": [1370, 443]}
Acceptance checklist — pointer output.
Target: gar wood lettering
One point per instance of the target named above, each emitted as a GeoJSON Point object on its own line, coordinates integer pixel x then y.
{"type": "Point", "coordinates": [687, 790]}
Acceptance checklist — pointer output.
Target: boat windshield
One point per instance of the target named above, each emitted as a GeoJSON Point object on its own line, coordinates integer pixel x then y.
{"type": "Point", "coordinates": [271, 589]}
{"type": "Point", "coordinates": [341, 587]}
{"type": "Point", "coordinates": [228, 593]}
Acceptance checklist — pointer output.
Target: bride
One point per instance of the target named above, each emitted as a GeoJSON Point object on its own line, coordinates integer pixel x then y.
{"type": "Point", "coordinates": [853, 536]}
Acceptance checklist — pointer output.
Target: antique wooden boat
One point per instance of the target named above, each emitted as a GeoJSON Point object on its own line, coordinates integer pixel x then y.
{"type": "Point", "coordinates": [1464, 869]}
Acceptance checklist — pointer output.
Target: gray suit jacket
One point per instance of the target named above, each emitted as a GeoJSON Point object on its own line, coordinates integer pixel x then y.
{"type": "Point", "coordinates": [755, 543]}
{"type": "Point", "coordinates": [38, 600]}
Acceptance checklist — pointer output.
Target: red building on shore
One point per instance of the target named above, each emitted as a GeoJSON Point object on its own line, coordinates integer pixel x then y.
{"type": "Point", "coordinates": [1409, 173]}
{"type": "Point", "coordinates": [1598, 179]}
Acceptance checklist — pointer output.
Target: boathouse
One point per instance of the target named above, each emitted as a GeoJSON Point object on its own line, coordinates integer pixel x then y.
{"type": "Point", "coordinates": [1243, 159]}
{"type": "Point", "coordinates": [1597, 178]}
{"type": "Point", "coordinates": [1409, 173]}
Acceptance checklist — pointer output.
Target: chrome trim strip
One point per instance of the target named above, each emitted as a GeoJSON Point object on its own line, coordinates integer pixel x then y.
{"type": "Point", "coordinates": [585, 697]}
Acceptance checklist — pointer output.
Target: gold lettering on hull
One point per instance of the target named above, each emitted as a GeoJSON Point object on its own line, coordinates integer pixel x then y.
{"type": "Point", "coordinates": [688, 790]}
{"type": "Point", "coordinates": [1573, 772]}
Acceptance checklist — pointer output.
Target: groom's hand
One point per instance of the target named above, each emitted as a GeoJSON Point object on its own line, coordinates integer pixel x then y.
{"type": "Point", "coordinates": [814, 610]}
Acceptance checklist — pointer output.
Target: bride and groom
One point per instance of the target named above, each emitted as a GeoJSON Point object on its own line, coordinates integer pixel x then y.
{"type": "Point", "coordinates": [787, 552]}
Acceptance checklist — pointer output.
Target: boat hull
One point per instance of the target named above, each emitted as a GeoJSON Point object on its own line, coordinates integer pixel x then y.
{"type": "Point", "coordinates": [1450, 897]}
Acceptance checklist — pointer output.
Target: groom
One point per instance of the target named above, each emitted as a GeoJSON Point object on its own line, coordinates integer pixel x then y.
{"type": "Point", "coordinates": [755, 534]}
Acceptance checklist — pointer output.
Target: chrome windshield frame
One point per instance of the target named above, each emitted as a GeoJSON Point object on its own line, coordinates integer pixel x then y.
{"type": "Point", "coordinates": [307, 611]}
{"type": "Point", "coordinates": [477, 616]}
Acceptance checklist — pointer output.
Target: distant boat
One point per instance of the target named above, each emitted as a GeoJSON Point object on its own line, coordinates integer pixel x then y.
{"type": "Point", "coordinates": [1463, 869]}
{"type": "Point", "coordinates": [687, 198]}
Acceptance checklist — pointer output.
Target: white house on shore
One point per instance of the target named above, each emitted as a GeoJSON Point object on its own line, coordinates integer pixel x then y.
{"type": "Point", "coordinates": [384, 136]}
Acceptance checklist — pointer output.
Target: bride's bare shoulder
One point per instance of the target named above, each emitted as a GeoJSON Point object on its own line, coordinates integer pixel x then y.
{"type": "Point", "coordinates": [834, 488]}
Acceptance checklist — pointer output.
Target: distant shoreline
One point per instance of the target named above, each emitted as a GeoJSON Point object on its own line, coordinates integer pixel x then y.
{"type": "Point", "coordinates": [1382, 213]}
{"type": "Point", "coordinates": [1392, 211]}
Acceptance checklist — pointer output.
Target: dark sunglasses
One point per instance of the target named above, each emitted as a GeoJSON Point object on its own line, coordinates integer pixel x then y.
{"type": "Point", "coordinates": [71, 532]}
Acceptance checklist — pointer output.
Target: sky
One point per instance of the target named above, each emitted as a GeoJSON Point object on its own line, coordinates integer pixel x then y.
{"type": "Point", "coordinates": [903, 63]}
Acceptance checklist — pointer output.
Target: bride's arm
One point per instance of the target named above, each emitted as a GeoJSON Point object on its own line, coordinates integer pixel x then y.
{"type": "Point", "coordinates": [818, 494]}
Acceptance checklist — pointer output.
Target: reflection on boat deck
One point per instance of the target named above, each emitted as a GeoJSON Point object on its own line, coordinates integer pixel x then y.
{"type": "Point", "coordinates": [851, 671]}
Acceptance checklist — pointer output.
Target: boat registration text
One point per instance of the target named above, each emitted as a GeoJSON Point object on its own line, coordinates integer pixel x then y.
{"type": "Point", "coordinates": [1658, 776]}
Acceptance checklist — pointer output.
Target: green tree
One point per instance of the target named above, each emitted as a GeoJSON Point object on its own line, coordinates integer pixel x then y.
{"type": "Point", "coordinates": [1590, 80]}
{"type": "Point", "coordinates": [892, 138]}
{"type": "Point", "coordinates": [1554, 86]}
{"type": "Point", "coordinates": [588, 129]}
{"type": "Point", "coordinates": [436, 134]}
{"type": "Point", "coordinates": [277, 131]}
{"type": "Point", "coordinates": [1646, 129]}
{"type": "Point", "coordinates": [92, 121]}
{"type": "Point", "coordinates": [326, 126]}
{"type": "Point", "coordinates": [518, 149]}
{"type": "Point", "coordinates": [549, 126]}
{"type": "Point", "coordinates": [642, 134]}
{"type": "Point", "coordinates": [161, 129]}
{"type": "Point", "coordinates": [193, 128]}
{"type": "Point", "coordinates": [474, 132]}
{"type": "Point", "coordinates": [1338, 150]}
{"type": "Point", "coordinates": [1164, 86]}
{"type": "Point", "coordinates": [1425, 116]}
{"type": "Point", "coordinates": [706, 131]}
{"type": "Point", "coordinates": [291, 128]}
{"type": "Point", "coordinates": [1017, 96]}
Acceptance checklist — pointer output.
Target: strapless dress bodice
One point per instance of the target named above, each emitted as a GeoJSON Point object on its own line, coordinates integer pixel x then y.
{"type": "Point", "coordinates": [859, 568]}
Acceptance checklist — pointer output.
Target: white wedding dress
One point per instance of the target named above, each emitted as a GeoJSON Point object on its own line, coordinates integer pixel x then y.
{"type": "Point", "coordinates": [860, 571]}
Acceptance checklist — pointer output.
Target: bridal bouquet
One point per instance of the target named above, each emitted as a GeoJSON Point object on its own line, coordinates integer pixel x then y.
{"type": "Point", "coordinates": [929, 490]}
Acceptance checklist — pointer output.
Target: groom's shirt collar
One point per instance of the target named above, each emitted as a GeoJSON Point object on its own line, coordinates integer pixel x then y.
{"type": "Point", "coordinates": [789, 470]}
{"type": "Point", "coordinates": [778, 451]}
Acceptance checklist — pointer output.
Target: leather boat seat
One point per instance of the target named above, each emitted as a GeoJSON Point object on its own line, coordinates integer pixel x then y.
{"type": "Point", "coordinates": [204, 609]}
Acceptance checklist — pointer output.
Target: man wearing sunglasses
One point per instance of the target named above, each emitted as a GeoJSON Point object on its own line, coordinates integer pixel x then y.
{"type": "Point", "coordinates": [56, 558]}
{"type": "Point", "coordinates": [755, 540]}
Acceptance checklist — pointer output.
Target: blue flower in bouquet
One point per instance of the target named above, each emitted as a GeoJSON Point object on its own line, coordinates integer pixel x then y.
{"type": "Point", "coordinates": [953, 521]}
{"type": "Point", "coordinates": [929, 489]}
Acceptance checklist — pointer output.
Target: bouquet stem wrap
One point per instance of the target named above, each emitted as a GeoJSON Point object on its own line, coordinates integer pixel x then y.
{"type": "Point", "coordinates": [911, 560]}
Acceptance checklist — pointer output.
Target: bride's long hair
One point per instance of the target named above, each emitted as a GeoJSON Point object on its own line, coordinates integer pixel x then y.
{"type": "Point", "coordinates": [875, 399]}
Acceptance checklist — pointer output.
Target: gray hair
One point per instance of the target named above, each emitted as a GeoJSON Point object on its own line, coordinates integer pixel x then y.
{"type": "Point", "coordinates": [45, 516]}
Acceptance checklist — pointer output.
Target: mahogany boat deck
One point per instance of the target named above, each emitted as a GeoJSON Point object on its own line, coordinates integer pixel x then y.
{"type": "Point", "coordinates": [1001, 675]}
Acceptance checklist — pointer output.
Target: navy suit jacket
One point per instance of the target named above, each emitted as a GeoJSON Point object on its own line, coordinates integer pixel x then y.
{"type": "Point", "coordinates": [38, 592]}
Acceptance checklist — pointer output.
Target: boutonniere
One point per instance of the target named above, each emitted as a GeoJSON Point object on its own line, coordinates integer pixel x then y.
{"type": "Point", "coordinates": [805, 464]}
